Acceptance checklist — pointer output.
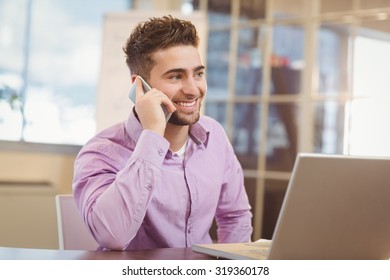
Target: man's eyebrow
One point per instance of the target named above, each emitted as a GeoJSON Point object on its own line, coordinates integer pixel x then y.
{"type": "Point", "coordinates": [200, 67]}
{"type": "Point", "coordinates": [182, 70]}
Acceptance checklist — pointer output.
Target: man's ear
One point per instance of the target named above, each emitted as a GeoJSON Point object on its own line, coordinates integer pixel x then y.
{"type": "Point", "coordinates": [133, 78]}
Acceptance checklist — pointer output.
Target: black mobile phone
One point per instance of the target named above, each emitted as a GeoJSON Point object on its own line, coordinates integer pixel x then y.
{"type": "Point", "coordinates": [132, 95]}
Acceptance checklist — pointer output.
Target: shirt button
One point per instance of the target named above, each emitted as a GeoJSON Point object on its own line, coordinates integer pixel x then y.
{"type": "Point", "coordinates": [160, 152]}
{"type": "Point", "coordinates": [149, 187]}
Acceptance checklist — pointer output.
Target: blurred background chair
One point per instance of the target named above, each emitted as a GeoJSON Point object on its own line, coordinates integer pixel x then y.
{"type": "Point", "coordinates": [72, 232]}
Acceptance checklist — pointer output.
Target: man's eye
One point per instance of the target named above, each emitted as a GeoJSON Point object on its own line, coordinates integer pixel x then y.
{"type": "Point", "coordinates": [175, 78]}
{"type": "Point", "coordinates": [200, 74]}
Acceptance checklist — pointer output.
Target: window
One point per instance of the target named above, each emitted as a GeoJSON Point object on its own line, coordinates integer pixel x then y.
{"type": "Point", "coordinates": [297, 76]}
{"type": "Point", "coordinates": [370, 116]}
{"type": "Point", "coordinates": [49, 67]}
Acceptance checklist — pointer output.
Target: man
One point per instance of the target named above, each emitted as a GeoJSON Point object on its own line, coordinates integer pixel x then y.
{"type": "Point", "coordinates": [147, 183]}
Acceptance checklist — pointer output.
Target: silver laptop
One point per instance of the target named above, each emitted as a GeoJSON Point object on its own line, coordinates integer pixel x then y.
{"type": "Point", "coordinates": [336, 207]}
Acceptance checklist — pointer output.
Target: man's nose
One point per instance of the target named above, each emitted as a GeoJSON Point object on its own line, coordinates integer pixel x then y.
{"type": "Point", "coordinates": [190, 86]}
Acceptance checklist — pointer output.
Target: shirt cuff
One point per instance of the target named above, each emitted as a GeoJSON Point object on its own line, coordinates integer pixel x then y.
{"type": "Point", "coordinates": [151, 147]}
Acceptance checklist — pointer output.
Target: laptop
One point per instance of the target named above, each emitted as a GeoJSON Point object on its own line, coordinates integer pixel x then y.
{"type": "Point", "coordinates": [336, 207]}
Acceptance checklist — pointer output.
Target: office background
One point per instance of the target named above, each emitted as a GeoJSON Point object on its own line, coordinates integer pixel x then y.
{"type": "Point", "coordinates": [283, 77]}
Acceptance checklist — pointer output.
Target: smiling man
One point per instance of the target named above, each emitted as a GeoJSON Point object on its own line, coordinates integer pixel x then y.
{"type": "Point", "coordinates": [148, 183]}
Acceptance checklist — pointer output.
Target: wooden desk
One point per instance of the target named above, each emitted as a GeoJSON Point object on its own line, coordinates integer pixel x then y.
{"type": "Point", "coordinates": [7, 253]}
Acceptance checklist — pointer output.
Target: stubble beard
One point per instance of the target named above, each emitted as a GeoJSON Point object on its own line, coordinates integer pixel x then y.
{"type": "Point", "coordinates": [179, 118]}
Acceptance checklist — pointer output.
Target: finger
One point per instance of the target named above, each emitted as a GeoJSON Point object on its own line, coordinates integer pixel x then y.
{"type": "Point", "coordinates": [139, 92]}
{"type": "Point", "coordinates": [168, 104]}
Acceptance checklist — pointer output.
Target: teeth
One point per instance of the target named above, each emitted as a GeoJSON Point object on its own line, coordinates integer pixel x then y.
{"type": "Point", "coordinates": [186, 104]}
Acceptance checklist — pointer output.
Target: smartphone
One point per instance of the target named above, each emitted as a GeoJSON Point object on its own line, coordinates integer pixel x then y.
{"type": "Point", "coordinates": [132, 95]}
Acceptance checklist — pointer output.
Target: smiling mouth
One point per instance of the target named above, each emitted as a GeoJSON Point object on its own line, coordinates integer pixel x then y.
{"type": "Point", "coordinates": [187, 103]}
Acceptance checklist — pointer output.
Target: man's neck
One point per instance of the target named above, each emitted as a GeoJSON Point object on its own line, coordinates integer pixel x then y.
{"type": "Point", "coordinates": [176, 135]}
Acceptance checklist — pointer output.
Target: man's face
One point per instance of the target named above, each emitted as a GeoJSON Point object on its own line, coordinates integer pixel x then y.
{"type": "Point", "coordinates": [179, 73]}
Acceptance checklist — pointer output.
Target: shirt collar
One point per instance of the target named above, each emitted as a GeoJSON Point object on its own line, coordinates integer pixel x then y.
{"type": "Point", "coordinates": [199, 133]}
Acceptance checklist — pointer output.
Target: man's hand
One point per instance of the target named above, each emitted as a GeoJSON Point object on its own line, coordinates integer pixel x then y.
{"type": "Point", "coordinates": [148, 107]}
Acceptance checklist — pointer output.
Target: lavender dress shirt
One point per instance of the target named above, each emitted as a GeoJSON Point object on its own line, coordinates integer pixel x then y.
{"type": "Point", "coordinates": [134, 193]}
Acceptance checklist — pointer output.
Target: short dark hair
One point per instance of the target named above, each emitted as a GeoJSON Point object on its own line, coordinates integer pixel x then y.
{"type": "Point", "coordinates": [155, 34]}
